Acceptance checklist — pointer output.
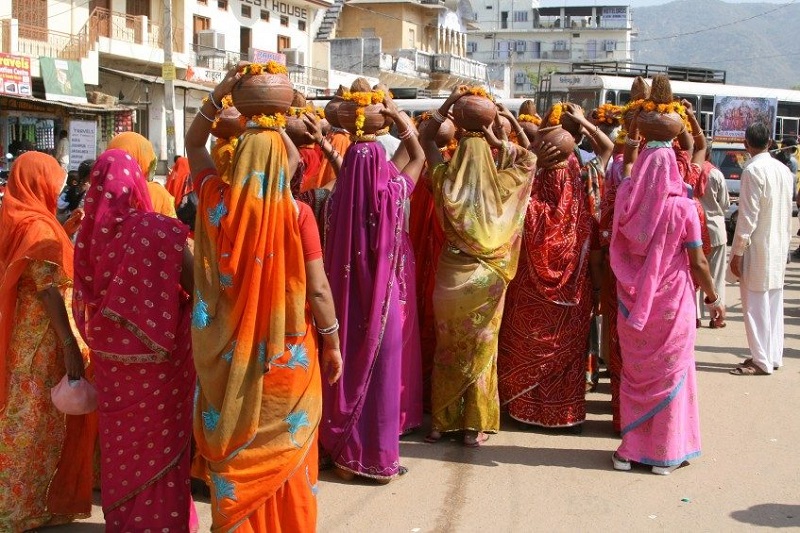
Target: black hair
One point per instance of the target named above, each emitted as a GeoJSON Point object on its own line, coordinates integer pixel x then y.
{"type": "Point", "coordinates": [757, 135]}
{"type": "Point", "coordinates": [63, 134]}
{"type": "Point", "coordinates": [76, 179]}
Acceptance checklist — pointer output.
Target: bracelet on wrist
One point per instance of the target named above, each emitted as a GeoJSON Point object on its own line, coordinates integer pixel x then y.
{"type": "Point", "coordinates": [713, 303]}
{"type": "Point", "coordinates": [210, 98]}
{"type": "Point", "coordinates": [632, 142]}
{"type": "Point", "coordinates": [330, 330]}
{"type": "Point", "coordinates": [200, 112]}
{"type": "Point", "coordinates": [407, 134]}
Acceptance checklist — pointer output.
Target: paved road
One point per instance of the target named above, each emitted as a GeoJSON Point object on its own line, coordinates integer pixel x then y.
{"type": "Point", "coordinates": [526, 480]}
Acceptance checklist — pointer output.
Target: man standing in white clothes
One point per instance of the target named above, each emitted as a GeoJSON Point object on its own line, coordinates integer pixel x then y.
{"type": "Point", "coordinates": [715, 202]}
{"type": "Point", "coordinates": [758, 256]}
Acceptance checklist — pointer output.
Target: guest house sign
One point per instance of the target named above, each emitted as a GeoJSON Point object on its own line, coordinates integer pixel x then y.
{"type": "Point", "coordinates": [279, 8]}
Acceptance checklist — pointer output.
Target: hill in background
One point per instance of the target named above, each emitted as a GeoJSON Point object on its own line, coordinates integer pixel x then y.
{"type": "Point", "coordinates": [763, 51]}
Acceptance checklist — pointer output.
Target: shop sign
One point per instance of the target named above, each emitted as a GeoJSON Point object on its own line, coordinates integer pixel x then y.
{"type": "Point", "coordinates": [204, 75]}
{"type": "Point", "coordinates": [63, 80]}
{"type": "Point", "coordinates": [168, 71]}
{"type": "Point", "coordinates": [82, 142]}
{"type": "Point", "coordinates": [15, 75]}
{"type": "Point", "coordinates": [279, 8]}
{"type": "Point", "coordinates": [262, 56]}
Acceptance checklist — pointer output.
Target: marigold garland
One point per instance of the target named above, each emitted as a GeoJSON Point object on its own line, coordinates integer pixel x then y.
{"type": "Point", "coordinates": [320, 112]}
{"type": "Point", "coordinates": [533, 119]}
{"type": "Point", "coordinates": [650, 106]}
{"type": "Point", "coordinates": [607, 114]}
{"type": "Point", "coordinates": [362, 99]}
{"type": "Point", "coordinates": [480, 91]}
{"type": "Point", "coordinates": [622, 136]}
{"type": "Point", "coordinates": [556, 114]}
{"type": "Point", "coordinates": [272, 122]}
{"type": "Point", "coordinates": [227, 101]}
{"type": "Point", "coordinates": [270, 67]}
{"type": "Point", "coordinates": [300, 111]}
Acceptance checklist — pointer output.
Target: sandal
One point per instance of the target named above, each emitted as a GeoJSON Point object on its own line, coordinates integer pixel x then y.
{"type": "Point", "coordinates": [717, 324]}
{"type": "Point", "coordinates": [748, 370]}
{"type": "Point", "coordinates": [433, 437]}
{"type": "Point", "coordinates": [749, 362]}
{"type": "Point", "coordinates": [474, 439]}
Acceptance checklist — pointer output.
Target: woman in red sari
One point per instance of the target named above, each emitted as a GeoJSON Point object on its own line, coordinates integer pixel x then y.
{"type": "Point", "coordinates": [177, 180]}
{"type": "Point", "coordinates": [132, 276]}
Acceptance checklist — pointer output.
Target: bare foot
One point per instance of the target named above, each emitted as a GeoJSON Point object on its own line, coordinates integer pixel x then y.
{"type": "Point", "coordinates": [344, 475]}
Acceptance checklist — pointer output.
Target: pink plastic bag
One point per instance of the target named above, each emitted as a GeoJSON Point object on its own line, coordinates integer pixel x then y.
{"type": "Point", "coordinates": [74, 397]}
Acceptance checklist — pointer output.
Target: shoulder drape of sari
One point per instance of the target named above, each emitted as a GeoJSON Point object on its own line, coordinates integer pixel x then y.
{"type": "Point", "coordinates": [481, 206]}
{"type": "Point", "coordinates": [340, 142]}
{"type": "Point", "coordinates": [258, 400]}
{"type": "Point", "coordinates": [642, 215]}
{"type": "Point", "coordinates": [176, 180]}
{"type": "Point", "coordinates": [29, 231]}
{"type": "Point", "coordinates": [312, 158]}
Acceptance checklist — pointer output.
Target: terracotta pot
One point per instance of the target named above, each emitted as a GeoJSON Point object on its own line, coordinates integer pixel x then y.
{"type": "Point", "coordinates": [445, 134]}
{"type": "Point", "coordinates": [558, 137]}
{"type": "Point", "coordinates": [296, 130]}
{"type": "Point", "coordinates": [472, 112]}
{"type": "Point", "coordinates": [571, 125]}
{"type": "Point", "coordinates": [265, 94]}
{"type": "Point", "coordinates": [347, 117]}
{"type": "Point", "coordinates": [530, 130]}
{"type": "Point", "coordinates": [655, 126]}
{"type": "Point", "coordinates": [227, 124]}
{"type": "Point", "coordinates": [331, 110]}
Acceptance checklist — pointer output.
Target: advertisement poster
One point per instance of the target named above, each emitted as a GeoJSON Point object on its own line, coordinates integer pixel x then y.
{"type": "Point", "coordinates": [15, 75]}
{"type": "Point", "coordinates": [82, 142]}
{"type": "Point", "coordinates": [262, 56]}
{"type": "Point", "coordinates": [733, 114]}
{"type": "Point", "coordinates": [63, 80]}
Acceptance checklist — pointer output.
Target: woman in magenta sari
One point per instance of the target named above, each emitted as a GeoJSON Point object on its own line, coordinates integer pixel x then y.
{"type": "Point", "coordinates": [656, 250]}
{"type": "Point", "coordinates": [364, 253]}
{"type": "Point", "coordinates": [132, 276]}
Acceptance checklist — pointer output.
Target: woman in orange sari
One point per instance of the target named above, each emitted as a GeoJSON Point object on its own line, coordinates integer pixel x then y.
{"type": "Point", "coordinates": [45, 456]}
{"type": "Point", "coordinates": [259, 280]}
{"type": "Point", "coordinates": [176, 180]}
{"type": "Point", "coordinates": [142, 151]}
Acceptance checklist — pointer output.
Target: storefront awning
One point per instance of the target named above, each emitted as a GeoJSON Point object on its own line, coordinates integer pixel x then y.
{"type": "Point", "coordinates": [155, 79]}
{"type": "Point", "coordinates": [33, 104]}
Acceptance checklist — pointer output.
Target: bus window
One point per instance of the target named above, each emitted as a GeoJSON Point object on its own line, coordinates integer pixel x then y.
{"type": "Point", "coordinates": [587, 99]}
{"type": "Point", "coordinates": [789, 127]}
{"type": "Point", "coordinates": [611, 97]}
{"type": "Point", "coordinates": [707, 104]}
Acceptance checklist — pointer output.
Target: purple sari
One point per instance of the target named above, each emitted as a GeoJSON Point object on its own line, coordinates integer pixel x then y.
{"type": "Point", "coordinates": [363, 258]}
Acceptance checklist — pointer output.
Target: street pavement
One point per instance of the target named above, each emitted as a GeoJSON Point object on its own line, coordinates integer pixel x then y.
{"type": "Point", "coordinates": [522, 480]}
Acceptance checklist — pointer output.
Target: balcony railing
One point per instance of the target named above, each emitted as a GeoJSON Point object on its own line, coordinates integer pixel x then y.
{"type": "Point", "coordinates": [423, 61]}
{"type": "Point", "coordinates": [459, 66]}
{"type": "Point", "coordinates": [35, 41]}
{"type": "Point", "coordinates": [313, 77]}
{"type": "Point", "coordinates": [130, 29]}
{"type": "Point", "coordinates": [223, 60]}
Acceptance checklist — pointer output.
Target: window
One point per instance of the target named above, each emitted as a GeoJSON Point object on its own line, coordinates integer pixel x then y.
{"type": "Point", "coordinates": [199, 24]}
{"type": "Point", "coordinates": [245, 37]}
{"type": "Point", "coordinates": [222, 4]}
{"type": "Point", "coordinates": [560, 46]}
{"type": "Point", "coordinates": [520, 16]}
{"type": "Point", "coordinates": [504, 20]}
{"type": "Point", "coordinates": [32, 19]}
{"type": "Point", "coordinates": [284, 42]}
{"type": "Point", "coordinates": [202, 2]}
{"type": "Point", "coordinates": [472, 47]}
{"type": "Point", "coordinates": [284, 21]}
{"type": "Point", "coordinates": [301, 25]}
{"type": "Point", "coordinates": [412, 38]}
{"type": "Point", "coordinates": [265, 15]}
{"type": "Point", "coordinates": [246, 12]}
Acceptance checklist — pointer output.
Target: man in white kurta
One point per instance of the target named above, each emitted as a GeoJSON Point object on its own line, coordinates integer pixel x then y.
{"type": "Point", "coordinates": [758, 255]}
{"type": "Point", "coordinates": [715, 202]}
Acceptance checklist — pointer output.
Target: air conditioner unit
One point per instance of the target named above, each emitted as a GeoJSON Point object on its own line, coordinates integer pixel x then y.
{"type": "Point", "coordinates": [559, 45]}
{"type": "Point", "coordinates": [520, 78]}
{"type": "Point", "coordinates": [520, 46]}
{"type": "Point", "coordinates": [545, 55]}
{"type": "Point", "coordinates": [609, 46]}
{"type": "Point", "coordinates": [294, 57]}
{"type": "Point", "coordinates": [210, 43]}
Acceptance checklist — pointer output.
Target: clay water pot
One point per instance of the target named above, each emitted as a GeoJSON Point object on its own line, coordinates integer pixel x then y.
{"type": "Point", "coordinates": [331, 110]}
{"type": "Point", "coordinates": [472, 112]}
{"type": "Point", "coordinates": [445, 134]}
{"type": "Point", "coordinates": [655, 126]}
{"type": "Point", "coordinates": [265, 94]}
{"type": "Point", "coordinates": [227, 124]}
{"type": "Point", "coordinates": [558, 137]}
{"type": "Point", "coordinates": [571, 125]}
{"type": "Point", "coordinates": [530, 129]}
{"type": "Point", "coordinates": [296, 130]}
{"type": "Point", "coordinates": [347, 117]}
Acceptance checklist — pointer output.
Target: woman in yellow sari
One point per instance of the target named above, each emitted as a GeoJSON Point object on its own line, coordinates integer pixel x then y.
{"type": "Point", "coordinates": [481, 208]}
{"type": "Point", "coordinates": [259, 280]}
{"type": "Point", "coordinates": [139, 148]}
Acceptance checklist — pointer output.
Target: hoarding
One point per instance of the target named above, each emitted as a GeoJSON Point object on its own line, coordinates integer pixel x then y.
{"type": "Point", "coordinates": [733, 114]}
{"type": "Point", "coordinates": [15, 75]}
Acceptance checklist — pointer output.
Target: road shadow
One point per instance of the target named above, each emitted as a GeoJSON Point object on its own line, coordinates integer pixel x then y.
{"type": "Point", "coordinates": [736, 351]}
{"type": "Point", "coordinates": [495, 455]}
{"type": "Point", "coordinates": [720, 368]}
{"type": "Point", "coordinates": [775, 515]}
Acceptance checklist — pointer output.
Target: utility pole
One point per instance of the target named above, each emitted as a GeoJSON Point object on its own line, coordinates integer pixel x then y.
{"type": "Point", "coordinates": [168, 73]}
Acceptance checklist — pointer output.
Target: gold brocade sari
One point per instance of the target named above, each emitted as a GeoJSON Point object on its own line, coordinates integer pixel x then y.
{"type": "Point", "coordinates": [481, 209]}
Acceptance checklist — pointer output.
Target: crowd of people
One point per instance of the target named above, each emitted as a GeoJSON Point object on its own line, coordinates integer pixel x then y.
{"type": "Point", "coordinates": [329, 288]}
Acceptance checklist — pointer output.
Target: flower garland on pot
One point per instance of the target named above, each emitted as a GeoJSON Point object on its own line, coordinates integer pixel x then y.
{"type": "Point", "coordinates": [533, 119]}
{"type": "Point", "coordinates": [272, 122]}
{"type": "Point", "coordinates": [649, 105]}
{"type": "Point", "coordinates": [362, 99]}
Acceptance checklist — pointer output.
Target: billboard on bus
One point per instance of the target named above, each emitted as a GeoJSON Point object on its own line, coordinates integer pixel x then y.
{"type": "Point", "coordinates": [733, 114]}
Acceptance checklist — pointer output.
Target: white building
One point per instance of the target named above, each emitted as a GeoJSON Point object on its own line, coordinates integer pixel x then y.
{"type": "Point", "coordinates": [530, 38]}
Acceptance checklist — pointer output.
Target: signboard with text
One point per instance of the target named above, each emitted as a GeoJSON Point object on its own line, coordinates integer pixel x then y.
{"type": "Point", "coordinates": [262, 56]}
{"type": "Point", "coordinates": [733, 114]}
{"type": "Point", "coordinates": [63, 80]}
{"type": "Point", "coordinates": [15, 75]}
{"type": "Point", "coordinates": [82, 142]}
{"type": "Point", "coordinates": [204, 75]}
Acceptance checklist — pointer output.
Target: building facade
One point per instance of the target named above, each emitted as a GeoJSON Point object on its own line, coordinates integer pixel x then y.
{"type": "Point", "coordinates": [522, 40]}
{"type": "Point", "coordinates": [404, 43]}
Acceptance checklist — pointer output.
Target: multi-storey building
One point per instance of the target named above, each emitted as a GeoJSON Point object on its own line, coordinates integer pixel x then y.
{"type": "Point", "coordinates": [403, 43]}
{"type": "Point", "coordinates": [521, 40]}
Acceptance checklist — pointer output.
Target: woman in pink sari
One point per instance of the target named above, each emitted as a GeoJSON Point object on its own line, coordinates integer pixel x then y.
{"type": "Point", "coordinates": [132, 276]}
{"type": "Point", "coordinates": [656, 250]}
